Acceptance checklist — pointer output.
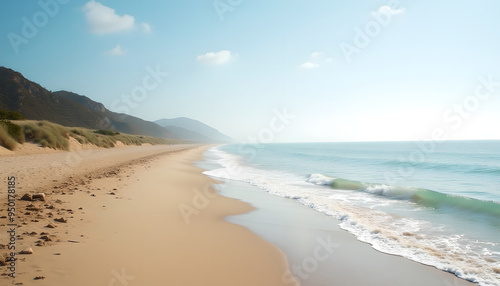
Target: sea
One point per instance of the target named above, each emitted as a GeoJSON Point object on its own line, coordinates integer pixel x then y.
{"type": "Point", "coordinates": [436, 203]}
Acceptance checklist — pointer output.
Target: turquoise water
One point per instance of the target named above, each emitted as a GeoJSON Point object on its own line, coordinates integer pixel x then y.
{"type": "Point", "coordinates": [435, 203]}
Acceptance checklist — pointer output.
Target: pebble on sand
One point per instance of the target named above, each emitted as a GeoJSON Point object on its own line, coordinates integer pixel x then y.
{"type": "Point", "coordinates": [39, 197]}
{"type": "Point", "coordinates": [27, 197]}
{"type": "Point", "coordinates": [51, 225]}
{"type": "Point", "coordinates": [33, 197]}
{"type": "Point", "coordinates": [28, 250]}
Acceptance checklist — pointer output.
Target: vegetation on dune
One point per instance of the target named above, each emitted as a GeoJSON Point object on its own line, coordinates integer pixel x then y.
{"type": "Point", "coordinates": [14, 131]}
{"type": "Point", "coordinates": [10, 134]}
{"type": "Point", "coordinates": [106, 132]}
{"type": "Point", "coordinates": [55, 136]}
{"type": "Point", "coordinates": [10, 115]}
{"type": "Point", "coordinates": [107, 138]}
{"type": "Point", "coordinates": [5, 139]}
{"type": "Point", "coordinates": [46, 134]}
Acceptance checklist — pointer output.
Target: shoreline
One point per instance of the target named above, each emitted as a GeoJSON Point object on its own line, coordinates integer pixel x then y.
{"type": "Point", "coordinates": [117, 213]}
{"type": "Point", "coordinates": [124, 222]}
{"type": "Point", "coordinates": [302, 233]}
{"type": "Point", "coordinates": [320, 252]}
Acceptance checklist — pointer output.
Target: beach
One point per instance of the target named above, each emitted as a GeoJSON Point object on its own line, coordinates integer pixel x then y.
{"type": "Point", "coordinates": [149, 216]}
{"type": "Point", "coordinates": [124, 226]}
{"type": "Point", "coordinates": [238, 143]}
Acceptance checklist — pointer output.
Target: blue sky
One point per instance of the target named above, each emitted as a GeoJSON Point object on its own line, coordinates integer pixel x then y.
{"type": "Point", "coordinates": [342, 70]}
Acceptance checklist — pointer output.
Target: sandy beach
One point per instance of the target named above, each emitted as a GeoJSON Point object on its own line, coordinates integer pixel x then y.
{"type": "Point", "coordinates": [124, 223]}
{"type": "Point", "coordinates": [148, 216]}
{"type": "Point", "coordinates": [238, 143]}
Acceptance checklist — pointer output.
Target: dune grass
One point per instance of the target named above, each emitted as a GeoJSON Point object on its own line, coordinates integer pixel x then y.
{"type": "Point", "coordinates": [55, 136]}
{"type": "Point", "coordinates": [15, 131]}
{"type": "Point", "coordinates": [5, 139]}
{"type": "Point", "coordinates": [46, 134]}
{"type": "Point", "coordinates": [107, 138]}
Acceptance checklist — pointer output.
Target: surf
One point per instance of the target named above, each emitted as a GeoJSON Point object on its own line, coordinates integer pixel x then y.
{"type": "Point", "coordinates": [422, 197]}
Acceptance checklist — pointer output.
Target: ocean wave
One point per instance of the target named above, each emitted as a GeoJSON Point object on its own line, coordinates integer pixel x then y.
{"type": "Point", "coordinates": [365, 210]}
{"type": "Point", "coordinates": [434, 199]}
{"type": "Point", "coordinates": [319, 179]}
{"type": "Point", "coordinates": [423, 197]}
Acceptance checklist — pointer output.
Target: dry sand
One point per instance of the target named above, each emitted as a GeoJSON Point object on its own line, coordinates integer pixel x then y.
{"type": "Point", "coordinates": [124, 224]}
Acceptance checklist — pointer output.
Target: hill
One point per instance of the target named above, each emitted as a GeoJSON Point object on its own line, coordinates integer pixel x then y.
{"type": "Point", "coordinates": [67, 108]}
{"type": "Point", "coordinates": [118, 121]}
{"type": "Point", "coordinates": [37, 103]}
{"type": "Point", "coordinates": [205, 132]}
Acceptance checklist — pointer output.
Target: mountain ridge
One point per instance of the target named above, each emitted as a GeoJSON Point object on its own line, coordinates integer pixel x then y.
{"type": "Point", "coordinates": [195, 126]}
{"type": "Point", "coordinates": [74, 110]}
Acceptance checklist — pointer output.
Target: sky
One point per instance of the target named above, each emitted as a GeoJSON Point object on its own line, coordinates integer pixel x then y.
{"type": "Point", "coordinates": [272, 71]}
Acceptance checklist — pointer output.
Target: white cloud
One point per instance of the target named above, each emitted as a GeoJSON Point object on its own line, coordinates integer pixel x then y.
{"type": "Point", "coordinates": [146, 28]}
{"type": "Point", "coordinates": [215, 58]}
{"type": "Point", "coordinates": [104, 20]}
{"type": "Point", "coordinates": [116, 51]}
{"type": "Point", "coordinates": [316, 55]}
{"type": "Point", "coordinates": [388, 10]}
{"type": "Point", "coordinates": [309, 65]}
{"type": "Point", "coordinates": [315, 60]}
